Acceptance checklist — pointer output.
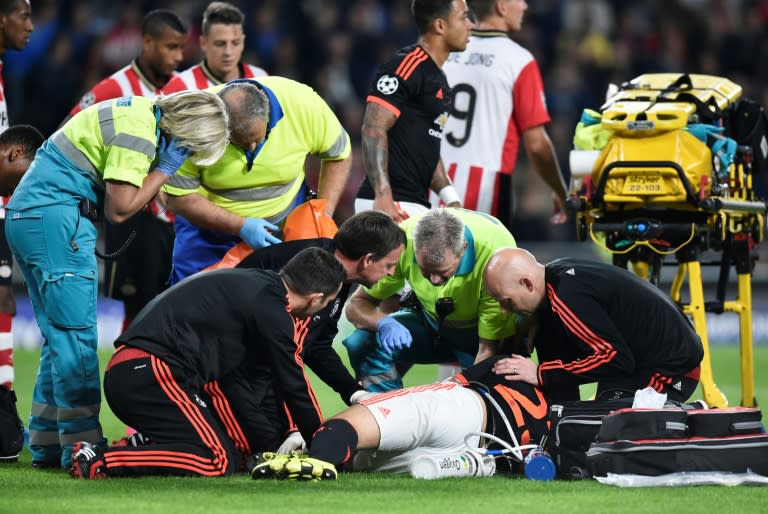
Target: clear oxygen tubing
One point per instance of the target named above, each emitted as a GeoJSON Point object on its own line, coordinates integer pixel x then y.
{"type": "Point", "coordinates": [515, 449]}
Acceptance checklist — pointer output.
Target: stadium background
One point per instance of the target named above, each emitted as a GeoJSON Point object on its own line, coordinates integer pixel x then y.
{"type": "Point", "coordinates": [335, 46]}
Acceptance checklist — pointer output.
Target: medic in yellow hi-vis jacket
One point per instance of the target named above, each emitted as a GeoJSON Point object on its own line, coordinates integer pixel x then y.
{"type": "Point", "coordinates": [109, 159]}
{"type": "Point", "coordinates": [260, 178]}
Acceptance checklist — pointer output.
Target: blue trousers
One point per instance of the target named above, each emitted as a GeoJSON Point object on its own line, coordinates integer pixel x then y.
{"type": "Point", "coordinates": [54, 248]}
{"type": "Point", "coordinates": [195, 248]}
{"type": "Point", "coordinates": [380, 370]}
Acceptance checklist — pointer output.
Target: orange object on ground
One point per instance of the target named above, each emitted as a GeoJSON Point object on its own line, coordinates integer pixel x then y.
{"type": "Point", "coordinates": [307, 221]}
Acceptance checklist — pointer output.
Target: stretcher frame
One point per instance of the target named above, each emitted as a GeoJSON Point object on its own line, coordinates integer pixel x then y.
{"type": "Point", "coordinates": [656, 191]}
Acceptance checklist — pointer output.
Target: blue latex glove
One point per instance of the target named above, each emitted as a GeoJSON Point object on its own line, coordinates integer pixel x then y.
{"type": "Point", "coordinates": [590, 117]}
{"type": "Point", "coordinates": [723, 148]}
{"type": "Point", "coordinates": [256, 233]}
{"type": "Point", "coordinates": [170, 156]}
{"type": "Point", "coordinates": [702, 130]}
{"type": "Point", "coordinates": [393, 334]}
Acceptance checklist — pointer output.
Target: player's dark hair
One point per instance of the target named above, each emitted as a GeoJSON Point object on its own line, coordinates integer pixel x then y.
{"type": "Point", "coordinates": [426, 11]}
{"type": "Point", "coordinates": [25, 135]}
{"type": "Point", "coordinates": [155, 22]}
{"type": "Point", "coordinates": [369, 232]}
{"type": "Point", "coordinates": [8, 6]}
{"type": "Point", "coordinates": [222, 13]}
{"type": "Point", "coordinates": [481, 9]}
{"type": "Point", "coordinates": [313, 270]}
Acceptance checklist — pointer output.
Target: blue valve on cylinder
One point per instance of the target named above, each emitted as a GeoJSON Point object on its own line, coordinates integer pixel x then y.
{"type": "Point", "coordinates": [539, 465]}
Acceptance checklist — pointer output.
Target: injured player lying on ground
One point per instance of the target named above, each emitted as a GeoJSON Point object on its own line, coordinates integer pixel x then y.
{"type": "Point", "coordinates": [474, 424]}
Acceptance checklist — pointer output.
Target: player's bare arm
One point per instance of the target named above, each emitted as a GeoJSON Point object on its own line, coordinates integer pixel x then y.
{"type": "Point", "coordinates": [333, 179]}
{"type": "Point", "coordinates": [486, 348]}
{"type": "Point", "coordinates": [123, 200]}
{"type": "Point", "coordinates": [440, 180]}
{"type": "Point", "coordinates": [204, 213]}
{"type": "Point", "coordinates": [541, 151]}
{"type": "Point", "coordinates": [362, 310]}
{"type": "Point", "coordinates": [376, 123]}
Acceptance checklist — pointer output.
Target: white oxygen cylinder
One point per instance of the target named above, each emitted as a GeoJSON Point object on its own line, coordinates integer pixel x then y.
{"type": "Point", "coordinates": [460, 464]}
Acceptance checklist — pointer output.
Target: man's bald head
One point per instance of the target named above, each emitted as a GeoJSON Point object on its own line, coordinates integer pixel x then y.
{"type": "Point", "coordinates": [515, 279]}
{"type": "Point", "coordinates": [248, 108]}
{"type": "Point", "coordinates": [508, 261]}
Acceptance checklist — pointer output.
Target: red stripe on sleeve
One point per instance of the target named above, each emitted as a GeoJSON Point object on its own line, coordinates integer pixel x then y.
{"type": "Point", "coordinates": [408, 61]}
{"type": "Point", "coordinates": [388, 106]}
{"type": "Point", "coordinates": [604, 351]}
{"type": "Point", "coordinates": [528, 96]}
{"type": "Point", "coordinates": [412, 67]}
{"type": "Point", "coordinates": [574, 324]}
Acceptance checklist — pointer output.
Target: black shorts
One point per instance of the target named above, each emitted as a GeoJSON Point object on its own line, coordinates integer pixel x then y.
{"type": "Point", "coordinates": [256, 407]}
{"type": "Point", "coordinates": [141, 272]}
{"type": "Point", "coordinates": [6, 258]}
{"type": "Point", "coordinates": [160, 401]}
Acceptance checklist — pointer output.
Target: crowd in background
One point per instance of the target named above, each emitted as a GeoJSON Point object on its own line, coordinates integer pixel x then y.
{"type": "Point", "coordinates": [335, 46]}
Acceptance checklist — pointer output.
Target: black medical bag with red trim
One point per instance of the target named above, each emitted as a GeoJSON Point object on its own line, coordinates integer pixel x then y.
{"type": "Point", "coordinates": [574, 427]}
{"type": "Point", "coordinates": [655, 442]}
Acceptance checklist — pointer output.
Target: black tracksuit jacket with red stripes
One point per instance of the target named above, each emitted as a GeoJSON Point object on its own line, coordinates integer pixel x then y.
{"type": "Point", "coordinates": [318, 354]}
{"type": "Point", "coordinates": [601, 323]}
{"type": "Point", "coordinates": [211, 323]}
{"type": "Point", "coordinates": [412, 87]}
{"type": "Point", "coordinates": [250, 391]}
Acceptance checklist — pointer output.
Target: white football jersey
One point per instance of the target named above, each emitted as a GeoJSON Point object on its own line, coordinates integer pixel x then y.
{"type": "Point", "coordinates": [497, 94]}
{"type": "Point", "coordinates": [200, 77]}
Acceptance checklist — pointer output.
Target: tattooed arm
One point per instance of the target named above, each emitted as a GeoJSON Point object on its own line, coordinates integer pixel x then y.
{"type": "Point", "coordinates": [440, 180]}
{"type": "Point", "coordinates": [377, 122]}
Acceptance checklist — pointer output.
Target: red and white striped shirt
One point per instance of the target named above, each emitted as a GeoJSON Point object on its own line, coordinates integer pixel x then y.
{"type": "Point", "coordinates": [199, 76]}
{"type": "Point", "coordinates": [497, 95]}
{"type": "Point", "coordinates": [127, 81]}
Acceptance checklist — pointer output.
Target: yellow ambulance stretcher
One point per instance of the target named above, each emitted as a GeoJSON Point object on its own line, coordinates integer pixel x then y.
{"type": "Point", "coordinates": [664, 177]}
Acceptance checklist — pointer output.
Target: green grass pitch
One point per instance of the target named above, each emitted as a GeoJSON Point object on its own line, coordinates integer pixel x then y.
{"type": "Point", "coordinates": [26, 490]}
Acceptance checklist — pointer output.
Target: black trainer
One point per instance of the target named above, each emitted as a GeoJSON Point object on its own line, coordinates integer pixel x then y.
{"type": "Point", "coordinates": [133, 440]}
{"type": "Point", "coordinates": [88, 462]}
{"type": "Point", "coordinates": [11, 427]}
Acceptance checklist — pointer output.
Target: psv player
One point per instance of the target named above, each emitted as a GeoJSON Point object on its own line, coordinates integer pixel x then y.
{"type": "Point", "coordinates": [142, 270]}
{"type": "Point", "coordinates": [15, 28]}
{"type": "Point", "coordinates": [222, 43]}
{"type": "Point", "coordinates": [498, 99]}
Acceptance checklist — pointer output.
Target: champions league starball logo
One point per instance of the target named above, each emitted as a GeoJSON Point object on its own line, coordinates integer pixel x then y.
{"type": "Point", "coordinates": [387, 85]}
{"type": "Point", "coordinates": [87, 100]}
